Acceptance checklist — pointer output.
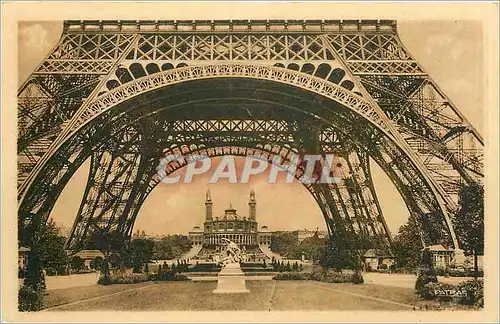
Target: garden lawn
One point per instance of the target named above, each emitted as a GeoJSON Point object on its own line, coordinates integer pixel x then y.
{"type": "Point", "coordinates": [263, 296]}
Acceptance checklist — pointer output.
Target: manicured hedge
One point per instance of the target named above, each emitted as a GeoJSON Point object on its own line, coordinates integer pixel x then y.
{"type": "Point", "coordinates": [324, 276]}
{"type": "Point", "coordinates": [292, 276]}
{"type": "Point", "coordinates": [29, 299]}
{"type": "Point", "coordinates": [122, 279]}
{"type": "Point", "coordinates": [470, 292]}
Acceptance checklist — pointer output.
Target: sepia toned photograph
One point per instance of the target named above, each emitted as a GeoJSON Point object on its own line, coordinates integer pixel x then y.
{"type": "Point", "coordinates": [251, 165]}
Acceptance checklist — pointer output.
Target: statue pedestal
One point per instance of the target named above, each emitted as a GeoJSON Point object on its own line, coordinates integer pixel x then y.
{"type": "Point", "coordinates": [231, 280]}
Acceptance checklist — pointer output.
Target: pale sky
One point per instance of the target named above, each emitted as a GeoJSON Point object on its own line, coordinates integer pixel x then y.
{"type": "Point", "coordinates": [451, 52]}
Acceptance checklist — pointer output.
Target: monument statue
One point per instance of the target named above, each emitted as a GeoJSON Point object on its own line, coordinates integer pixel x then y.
{"type": "Point", "coordinates": [230, 254]}
{"type": "Point", "coordinates": [230, 279]}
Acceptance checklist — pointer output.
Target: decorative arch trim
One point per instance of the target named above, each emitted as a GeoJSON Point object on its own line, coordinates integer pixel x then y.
{"type": "Point", "coordinates": [302, 80]}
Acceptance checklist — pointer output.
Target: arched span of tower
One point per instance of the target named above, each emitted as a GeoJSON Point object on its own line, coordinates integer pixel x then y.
{"type": "Point", "coordinates": [135, 127]}
{"type": "Point", "coordinates": [116, 91]}
{"type": "Point", "coordinates": [87, 221]}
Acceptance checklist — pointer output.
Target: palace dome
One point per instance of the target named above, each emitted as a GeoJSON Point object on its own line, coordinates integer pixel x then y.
{"type": "Point", "coordinates": [230, 214]}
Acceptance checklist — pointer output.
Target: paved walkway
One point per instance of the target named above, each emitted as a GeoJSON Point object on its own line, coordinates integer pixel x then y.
{"type": "Point", "coordinates": [71, 281]}
{"type": "Point", "coordinates": [404, 280]}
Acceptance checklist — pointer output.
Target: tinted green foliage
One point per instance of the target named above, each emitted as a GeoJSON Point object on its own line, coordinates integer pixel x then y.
{"type": "Point", "coordinates": [407, 245]}
{"type": "Point", "coordinates": [287, 244]}
{"type": "Point", "coordinates": [137, 253]}
{"type": "Point", "coordinates": [49, 245]}
{"type": "Point", "coordinates": [345, 250]}
{"type": "Point", "coordinates": [77, 263]}
{"type": "Point", "coordinates": [29, 299]}
{"type": "Point", "coordinates": [171, 247]}
{"type": "Point", "coordinates": [469, 221]}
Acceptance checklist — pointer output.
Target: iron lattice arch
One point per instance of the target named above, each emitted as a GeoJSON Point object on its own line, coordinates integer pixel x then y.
{"type": "Point", "coordinates": [120, 93]}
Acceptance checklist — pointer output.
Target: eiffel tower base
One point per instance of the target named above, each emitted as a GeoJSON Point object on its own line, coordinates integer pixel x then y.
{"type": "Point", "coordinates": [231, 280]}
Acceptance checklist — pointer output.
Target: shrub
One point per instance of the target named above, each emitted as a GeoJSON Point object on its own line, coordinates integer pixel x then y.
{"type": "Point", "coordinates": [336, 277]}
{"type": "Point", "coordinates": [29, 300]}
{"type": "Point", "coordinates": [122, 279]}
{"type": "Point", "coordinates": [21, 273]}
{"type": "Point", "coordinates": [291, 276]}
{"type": "Point", "coordinates": [440, 271]}
{"type": "Point", "coordinates": [104, 280]}
{"type": "Point", "coordinates": [137, 267]}
{"type": "Point", "coordinates": [357, 278]}
{"type": "Point", "coordinates": [317, 273]}
{"type": "Point", "coordinates": [469, 292]}
{"type": "Point", "coordinates": [475, 292]}
{"type": "Point", "coordinates": [180, 277]}
{"type": "Point", "coordinates": [480, 273]}
{"type": "Point", "coordinates": [34, 276]}
{"type": "Point", "coordinates": [382, 266]}
{"type": "Point", "coordinates": [423, 279]}
{"type": "Point", "coordinates": [456, 273]}
{"type": "Point", "coordinates": [77, 263]}
{"type": "Point", "coordinates": [428, 291]}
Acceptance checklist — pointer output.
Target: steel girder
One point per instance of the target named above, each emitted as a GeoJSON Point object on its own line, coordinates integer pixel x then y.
{"type": "Point", "coordinates": [165, 122]}
{"type": "Point", "coordinates": [369, 221]}
{"type": "Point", "coordinates": [418, 137]}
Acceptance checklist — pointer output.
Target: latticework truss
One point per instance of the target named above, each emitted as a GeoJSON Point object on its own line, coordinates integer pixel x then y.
{"type": "Point", "coordinates": [117, 92]}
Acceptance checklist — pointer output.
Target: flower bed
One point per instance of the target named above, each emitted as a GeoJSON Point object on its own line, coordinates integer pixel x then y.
{"type": "Point", "coordinates": [292, 276]}
{"type": "Point", "coordinates": [354, 277]}
{"type": "Point", "coordinates": [469, 292]}
{"type": "Point", "coordinates": [123, 278]}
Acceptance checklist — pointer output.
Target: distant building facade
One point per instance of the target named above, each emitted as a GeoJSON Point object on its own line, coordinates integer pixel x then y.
{"type": "Point", "coordinates": [374, 259]}
{"type": "Point", "coordinates": [22, 260]}
{"type": "Point", "coordinates": [305, 233]}
{"type": "Point", "coordinates": [441, 255]}
{"type": "Point", "coordinates": [89, 255]}
{"type": "Point", "coordinates": [242, 230]}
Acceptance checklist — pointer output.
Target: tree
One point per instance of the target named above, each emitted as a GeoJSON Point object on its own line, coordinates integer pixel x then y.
{"type": "Point", "coordinates": [34, 276]}
{"type": "Point", "coordinates": [30, 294]}
{"type": "Point", "coordinates": [344, 249]}
{"type": "Point", "coordinates": [105, 268]}
{"type": "Point", "coordinates": [136, 267]}
{"type": "Point", "coordinates": [50, 247]}
{"type": "Point", "coordinates": [469, 221]}
{"type": "Point", "coordinates": [281, 268]}
{"type": "Point", "coordinates": [114, 260]}
{"type": "Point", "coordinates": [171, 247]}
{"type": "Point", "coordinates": [311, 246]}
{"type": "Point", "coordinates": [96, 263]}
{"type": "Point", "coordinates": [146, 267]}
{"type": "Point", "coordinates": [283, 242]}
{"type": "Point", "coordinates": [137, 253]}
{"type": "Point", "coordinates": [77, 263]}
{"type": "Point", "coordinates": [407, 245]}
